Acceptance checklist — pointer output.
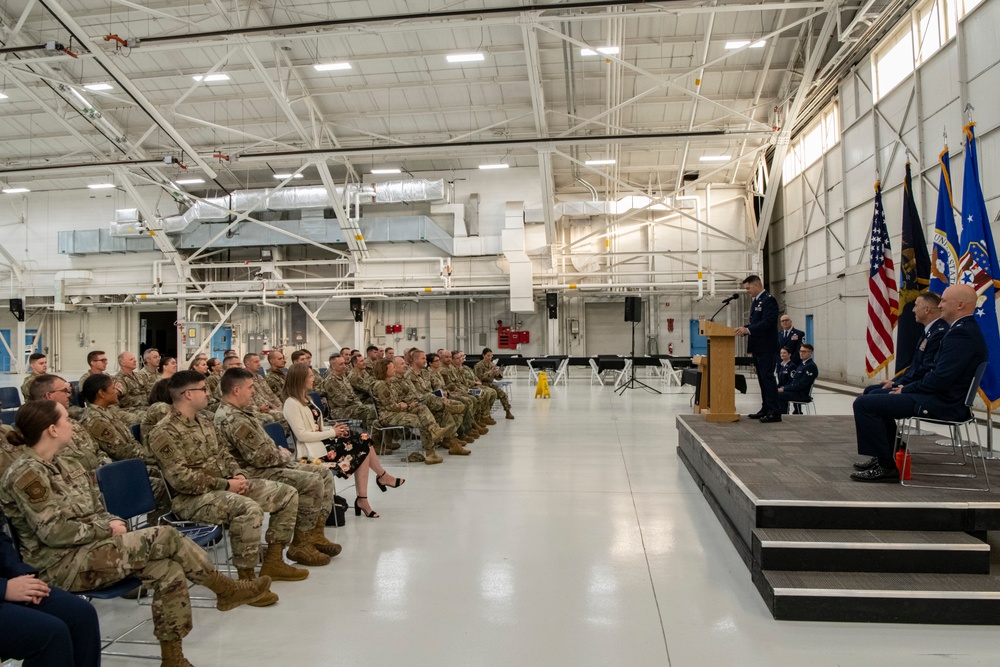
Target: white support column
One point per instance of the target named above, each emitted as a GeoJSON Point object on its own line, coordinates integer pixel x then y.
{"type": "Point", "coordinates": [552, 337]}
{"type": "Point", "coordinates": [359, 337]}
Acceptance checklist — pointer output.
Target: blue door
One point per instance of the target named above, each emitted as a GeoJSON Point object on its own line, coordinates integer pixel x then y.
{"type": "Point", "coordinates": [699, 343]}
{"type": "Point", "coordinates": [221, 341]}
{"type": "Point", "coordinates": [5, 357]}
{"type": "Point", "coordinates": [809, 329]}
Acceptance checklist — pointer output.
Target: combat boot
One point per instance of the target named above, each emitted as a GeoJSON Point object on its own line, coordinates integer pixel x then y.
{"type": "Point", "coordinates": [275, 566]}
{"type": "Point", "coordinates": [231, 594]}
{"type": "Point", "coordinates": [489, 421]}
{"type": "Point", "coordinates": [322, 544]}
{"type": "Point", "coordinates": [483, 430]}
{"type": "Point", "coordinates": [508, 415]}
{"type": "Point", "coordinates": [265, 600]}
{"type": "Point", "coordinates": [438, 434]}
{"type": "Point", "coordinates": [467, 439]}
{"type": "Point", "coordinates": [303, 552]}
{"type": "Point", "coordinates": [431, 457]}
{"type": "Point", "coordinates": [171, 654]}
{"type": "Point", "coordinates": [455, 448]}
{"type": "Point", "coordinates": [474, 432]}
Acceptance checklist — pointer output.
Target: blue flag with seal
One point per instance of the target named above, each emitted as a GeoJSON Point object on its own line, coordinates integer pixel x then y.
{"type": "Point", "coordinates": [978, 266]}
{"type": "Point", "coordinates": [914, 277]}
{"type": "Point", "coordinates": [944, 267]}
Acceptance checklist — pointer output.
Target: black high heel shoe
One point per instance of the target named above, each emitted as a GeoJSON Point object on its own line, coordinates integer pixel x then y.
{"type": "Point", "coordinates": [358, 511]}
{"type": "Point", "coordinates": [382, 487]}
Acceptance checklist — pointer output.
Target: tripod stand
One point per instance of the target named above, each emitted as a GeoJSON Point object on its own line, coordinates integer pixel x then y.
{"type": "Point", "coordinates": [632, 383]}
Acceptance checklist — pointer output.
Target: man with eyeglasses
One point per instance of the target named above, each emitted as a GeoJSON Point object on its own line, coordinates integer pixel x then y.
{"type": "Point", "coordinates": [82, 449]}
{"type": "Point", "coordinates": [97, 360]}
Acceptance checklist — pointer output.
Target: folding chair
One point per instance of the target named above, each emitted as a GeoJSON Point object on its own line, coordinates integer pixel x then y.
{"type": "Point", "coordinates": [10, 397]}
{"type": "Point", "coordinates": [8, 416]}
{"type": "Point", "coordinates": [405, 433]}
{"type": "Point", "coordinates": [277, 433]}
{"type": "Point", "coordinates": [669, 375]}
{"type": "Point", "coordinates": [957, 442]}
{"type": "Point", "coordinates": [317, 399]}
{"type": "Point", "coordinates": [595, 372]}
{"type": "Point", "coordinates": [807, 407]}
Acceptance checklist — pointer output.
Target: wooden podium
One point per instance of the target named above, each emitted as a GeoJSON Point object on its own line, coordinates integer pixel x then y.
{"type": "Point", "coordinates": [718, 373]}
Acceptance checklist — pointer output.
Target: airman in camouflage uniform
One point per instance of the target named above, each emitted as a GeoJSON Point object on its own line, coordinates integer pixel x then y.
{"type": "Point", "coordinates": [208, 487]}
{"type": "Point", "coordinates": [8, 452]}
{"type": "Point", "coordinates": [464, 379]}
{"type": "Point", "coordinates": [70, 538]}
{"type": "Point", "coordinates": [340, 396]}
{"type": "Point", "coordinates": [147, 375]}
{"type": "Point", "coordinates": [393, 410]}
{"type": "Point", "coordinates": [469, 427]}
{"type": "Point", "coordinates": [132, 395]}
{"type": "Point", "coordinates": [361, 379]}
{"type": "Point", "coordinates": [267, 406]}
{"type": "Point", "coordinates": [156, 413]}
{"type": "Point", "coordinates": [486, 372]}
{"type": "Point", "coordinates": [445, 411]}
{"type": "Point", "coordinates": [275, 377]}
{"type": "Point", "coordinates": [257, 454]}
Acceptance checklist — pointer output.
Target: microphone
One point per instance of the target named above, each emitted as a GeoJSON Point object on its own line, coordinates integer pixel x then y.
{"type": "Point", "coordinates": [731, 298]}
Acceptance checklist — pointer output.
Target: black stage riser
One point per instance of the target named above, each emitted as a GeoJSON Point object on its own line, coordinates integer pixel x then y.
{"type": "Point", "coordinates": [876, 518]}
{"type": "Point", "coordinates": [871, 560]}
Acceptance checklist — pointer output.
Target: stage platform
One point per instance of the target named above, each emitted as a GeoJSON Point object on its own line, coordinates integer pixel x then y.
{"type": "Point", "coordinates": [824, 548]}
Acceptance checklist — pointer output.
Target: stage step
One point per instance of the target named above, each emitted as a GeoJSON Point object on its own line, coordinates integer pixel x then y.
{"type": "Point", "coordinates": [966, 599]}
{"type": "Point", "coordinates": [801, 549]}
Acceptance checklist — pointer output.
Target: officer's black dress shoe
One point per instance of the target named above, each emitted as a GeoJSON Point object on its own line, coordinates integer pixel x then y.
{"type": "Point", "coordinates": [770, 419]}
{"type": "Point", "coordinates": [867, 464]}
{"type": "Point", "coordinates": [757, 415]}
{"type": "Point", "coordinates": [876, 474]}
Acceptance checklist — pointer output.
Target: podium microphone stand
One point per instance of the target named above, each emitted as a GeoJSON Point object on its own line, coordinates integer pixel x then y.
{"type": "Point", "coordinates": [717, 400]}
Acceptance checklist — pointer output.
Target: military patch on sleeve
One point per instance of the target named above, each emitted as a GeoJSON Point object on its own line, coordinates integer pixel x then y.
{"type": "Point", "coordinates": [31, 485]}
{"type": "Point", "coordinates": [245, 432]}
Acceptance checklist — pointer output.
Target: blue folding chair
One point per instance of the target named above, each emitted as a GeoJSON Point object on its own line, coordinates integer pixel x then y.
{"type": "Point", "coordinates": [10, 397]}
{"type": "Point", "coordinates": [317, 399]}
{"type": "Point", "coordinates": [136, 432]}
{"type": "Point", "coordinates": [75, 397]}
{"type": "Point", "coordinates": [277, 433]}
{"type": "Point", "coordinates": [8, 416]}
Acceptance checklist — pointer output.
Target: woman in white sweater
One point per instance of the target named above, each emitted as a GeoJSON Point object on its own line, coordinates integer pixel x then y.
{"type": "Point", "coordinates": [353, 456]}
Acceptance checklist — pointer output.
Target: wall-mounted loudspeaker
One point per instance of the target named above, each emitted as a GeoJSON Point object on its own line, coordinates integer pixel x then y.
{"type": "Point", "coordinates": [633, 309]}
{"type": "Point", "coordinates": [359, 313]}
{"type": "Point", "coordinates": [552, 303]}
{"type": "Point", "coordinates": [17, 308]}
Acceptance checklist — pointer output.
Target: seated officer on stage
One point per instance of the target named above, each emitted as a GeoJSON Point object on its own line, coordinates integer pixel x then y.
{"type": "Point", "coordinates": [926, 311]}
{"type": "Point", "coordinates": [786, 367]}
{"type": "Point", "coordinates": [940, 394]}
{"type": "Point", "coordinates": [797, 390]}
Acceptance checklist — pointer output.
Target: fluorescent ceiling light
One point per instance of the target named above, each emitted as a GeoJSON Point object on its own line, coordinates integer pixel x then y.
{"type": "Point", "coordinates": [740, 43]}
{"type": "Point", "coordinates": [327, 67]}
{"type": "Point", "coordinates": [208, 78]}
{"type": "Point", "coordinates": [15, 191]}
{"type": "Point", "coordinates": [2, 96]}
{"type": "Point", "coordinates": [494, 166]}
{"type": "Point", "coordinates": [716, 158]}
{"type": "Point", "coordinates": [190, 181]}
{"type": "Point", "coordinates": [101, 186]}
{"type": "Point", "coordinates": [99, 86]}
{"type": "Point", "coordinates": [386, 171]}
{"type": "Point", "coordinates": [599, 162]}
{"type": "Point", "coordinates": [284, 176]}
{"type": "Point", "coordinates": [465, 57]}
{"type": "Point", "coordinates": [603, 50]}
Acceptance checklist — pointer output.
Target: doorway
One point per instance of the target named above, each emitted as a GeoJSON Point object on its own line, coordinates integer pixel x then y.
{"type": "Point", "coordinates": [157, 329]}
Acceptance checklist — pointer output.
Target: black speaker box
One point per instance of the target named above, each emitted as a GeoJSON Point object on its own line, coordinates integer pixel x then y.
{"type": "Point", "coordinates": [552, 303]}
{"type": "Point", "coordinates": [17, 308]}
{"type": "Point", "coordinates": [359, 314]}
{"type": "Point", "coordinates": [633, 309]}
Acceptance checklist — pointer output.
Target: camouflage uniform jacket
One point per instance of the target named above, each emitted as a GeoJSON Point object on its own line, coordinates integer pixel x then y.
{"type": "Point", "coordinates": [8, 452]}
{"type": "Point", "coordinates": [248, 442]}
{"type": "Point", "coordinates": [362, 383]}
{"type": "Point", "coordinates": [263, 397]}
{"type": "Point", "coordinates": [454, 379]}
{"type": "Point", "coordinates": [133, 392]}
{"type": "Point", "coordinates": [110, 431]}
{"type": "Point", "coordinates": [190, 456]}
{"type": "Point", "coordinates": [147, 379]}
{"type": "Point", "coordinates": [405, 390]}
{"type": "Point", "coordinates": [276, 381]}
{"type": "Point", "coordinates": [84, 450]}
{"type": "Point", "coordinates": [83, 378]}
{"type": "Point", "coordinates": [54, 506]}
{"type": "Point", "coordinates": [339, 392]}
{"type": "Point", "coordinates": [486, 372]}
{"type": "Point", "coordinates": [317, 378]}
{"type": "Point", "coordinates": [386, 397]}
{"type": "Point", "coordinates": [437, 380]}
{"type": "Point", "coordinates": [26, 385]}
{"type": "Point", "coordinates": [213, 385]}
{"type": "Point", "coordinates": [156, 413]}
{"type": "Point", "coordinates": [421, 380]}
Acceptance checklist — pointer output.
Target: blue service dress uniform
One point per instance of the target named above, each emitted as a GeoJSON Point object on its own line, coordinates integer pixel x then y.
{"type": "Point", "coordinates": [923, 357]}
{"type": "Point", "coordinates": [762, 344]}
{"type": "Point", "coordinates": [785, 372]}
{"type": "Point", "coordinates": [792, 339]}
{"type": "Point", "coordinates": [797, 390]}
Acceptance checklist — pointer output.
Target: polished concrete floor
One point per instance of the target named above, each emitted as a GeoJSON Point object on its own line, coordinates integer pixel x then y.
{"type": "Point", "coordinates": [571, 536]}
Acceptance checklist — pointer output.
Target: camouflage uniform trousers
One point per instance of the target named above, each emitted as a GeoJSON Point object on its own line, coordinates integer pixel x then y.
{"type": "Point", "coordinates": [244, 515]}
{"type": "Point", "coordinates": [420, 423]}
{"type": "Point", "coordinates": [161, 557]}
{"type": "Point", "coordinates": [361, 411]}
{"type": "Point", "coordinates": [445, 417]}
{"type": "Point", "coordinates": [486, 400]}
{"type": "Point", "coordinates": [472, 410]}
{"type": "Point", "coordinates": [315, 488]}
{"type": "Point", "coordinates": [501, 395]}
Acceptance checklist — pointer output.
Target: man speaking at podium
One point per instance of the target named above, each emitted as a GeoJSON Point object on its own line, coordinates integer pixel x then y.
{"type": "Point", "coordinates": [762, 345]}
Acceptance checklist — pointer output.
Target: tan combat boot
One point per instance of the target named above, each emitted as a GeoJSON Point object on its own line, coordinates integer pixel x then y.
{"type": "Point", "coordinates": [303, 552]}
{"type": "Point", "coordinates": [171, 654]}
{"type": "Point", "coordinates": [322, 544]}
{"type": "Point", "coordinates": [482, 429]}
{"type": "Point", "coordinates": [267, 599]}
{"type": "Point", "coordinates": [431, 457]}
{"type": "Point", "coordinates": [231, 594]}
{"type": "Point", "coordinates": [455, 448]}
{"type": "Point", "coordinates": [508, 415]}
{"type": "Point", "coordinates": [438, 434]}
{"type": "Point", "coordinates": [467, 439]}
{"type": "Point", "coordinates": [275, 566]}
{"type": "Point", "coordinates": [489, 421]}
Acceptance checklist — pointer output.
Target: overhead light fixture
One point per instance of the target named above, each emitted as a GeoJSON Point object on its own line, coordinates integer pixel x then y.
{"type": "Point", "coordinates": [715, 158]}
{"type": "Point", "coordinates": [208, 78]}
{"type": "Point", "coordinates": [15, 191]}
{"type": "Point", "coordinates": [99, 86]}
{"type": "Point", "coordinates": [387, 171]}
{"type": "Point", "coordinates": [2, 96]}
{"type": "Point", "coordinates": [281, 177]}
{"type": "Point", "coordinates": [602, 50]}
{"type": "Point", "coordinates": [740, 43]}
{"type": "Point", "coordinates": [494, 166]}
{"type": "Point", "coordinates": [465, 57]}
{"type": "Point", "coordinates": [189, 181]}
{"type": "Point", "coordinates": [328, 67]}
{"type": "Point", "coordinates": [594, 163]}
{"type": "Point", "coordinates": [101, 186]}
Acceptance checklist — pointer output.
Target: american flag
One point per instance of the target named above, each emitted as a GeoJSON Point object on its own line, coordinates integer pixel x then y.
{"type": "Point", "coordinates": [883, 295]}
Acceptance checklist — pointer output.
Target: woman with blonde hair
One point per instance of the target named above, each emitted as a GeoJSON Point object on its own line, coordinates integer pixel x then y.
{"type": "Point", "coordinates": [352, 455]}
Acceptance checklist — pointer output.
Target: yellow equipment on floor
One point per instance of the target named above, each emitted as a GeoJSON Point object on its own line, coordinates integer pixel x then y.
{"type": "Point", "coordinates": [542, 389]}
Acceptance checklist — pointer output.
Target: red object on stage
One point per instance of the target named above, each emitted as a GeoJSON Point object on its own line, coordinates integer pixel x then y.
{"type": "Point", "coordinates": [900, 459]}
